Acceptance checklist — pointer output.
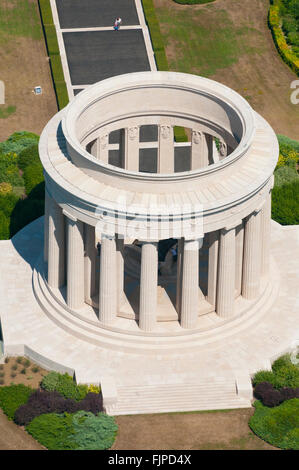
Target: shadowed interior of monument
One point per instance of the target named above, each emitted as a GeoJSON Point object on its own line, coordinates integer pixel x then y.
{"type": "Point", "coordinates": [213, 150]}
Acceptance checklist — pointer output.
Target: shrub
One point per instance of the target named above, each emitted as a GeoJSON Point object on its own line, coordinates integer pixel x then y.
{"type": "Point", "coordinates": [33, 175]}
{"type": "Point", "coordinates": [8, 203]}
{"type": "Point", "coordinates": [288, 376]}
{"type": "Point", "coordinates": [35, 369]}
{"type": "Point", "coordinates": [93, 432]}
{"type": "Point", "coordinates": [23, 371]}
{"type": "Point", "coordinates": [284, 175]}
{"type": "Point", "coordinates": [94, 388]}
{"type": "Point", "coordinates": [14, 367]}
{"type": "Point", "coordinates": [26, 363]}
{"type": "Point", "coordinates": [18, 141]}
{"type": "Point", "coordinates": [65, 385]}
{"type": "Point", "coordinates": [5, 188]}
{"type": "Point", "coordinates": [289, 393]}
{"type": "Point", "coordinates": [279, 426]}
{"type": "Point", "coordinates": [12, 397]}
{"type": "Point", "coordinates": [285, 207]}
{"type": "Point", "coordinates": [54, 431]}
{"type": "Point", "coordinates": [93, 403]}
{"type": "Point", "coordinates": [286, 53]}
{"type": "Point", "coordinates": [272, 398]}
{"type": "Point", "coordinates": [265, 376]}
{"type": "Point", "coordinates": [80, 431]}
{"type": "Point", "coordinates": [19, 360]}
{"type": "Point", "coordinates": [4, 226]}
{"type": "Point", "coordinates": [28, 156]}
{"type": "Point", "coordinates": [50, 381]}
{"type": "Point", "coordinates": [281, 362]}
{"type": "Point", "coordinates": [82, 391]}
{"type": "Point", "coordinates": [41, 402]}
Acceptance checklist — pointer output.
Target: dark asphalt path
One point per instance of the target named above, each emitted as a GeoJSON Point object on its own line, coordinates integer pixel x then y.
{"type": "Point", "coordinates": [95, 13]}
{"type": "Point", "coordinates": [95, 55]}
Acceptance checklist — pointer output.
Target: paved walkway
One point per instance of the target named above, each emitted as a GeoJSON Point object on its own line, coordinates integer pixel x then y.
{"type": "Point", "coordinates": [90, 48]}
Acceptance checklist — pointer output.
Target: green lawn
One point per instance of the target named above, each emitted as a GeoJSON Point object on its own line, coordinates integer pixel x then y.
{"type": "Point", "coordinates": [7, 111]}
{"type": "Point", "coordinates": [18, 18]}
{"type": "Point", "coordinates": [199, 41]}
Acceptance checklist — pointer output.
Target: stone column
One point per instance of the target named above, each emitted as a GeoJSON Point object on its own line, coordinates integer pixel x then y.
{"type": "Point", "coordinates": [90, 262]}
{"type": "Point", "coordinates": [46, 225]}
{"type": "Point", "coordinates": [103, 146]}
{"type": "Point", "coordinates": [148, 286]}
{"type": "Point", "coordinates": [252, 256]}
{"type": "Point", "coordinates": [166, 149]}
{"type": "Point", "coordinates": [56, 246]}
{"type": "Point", "coordinates": [223, 149]}
{"type": "Point", "coordinates": [212, 267]}
{"type": "Point", "coordinates": [120, 271]}
{"type": "Point", "coordinates": [190, 288]}
{"type": "Point", "coordinates": [129, 148]}
{"type": "Point", "coordinates": [226, 273]}
{"type": "Point", "coordinates": [95, 148]}
{"type": "Point", "coordinates": [266, 236]}
{"type": "Point", "coordinates": [201, 150]}
{"type": "Point", "coordinates": [108, 281]}
{"type": "Point", "coordinates": [179, 274]}
{"type": "Point", "coordinates": [239, 257]}
{"type": "Point", "coordinates": [75, 264]}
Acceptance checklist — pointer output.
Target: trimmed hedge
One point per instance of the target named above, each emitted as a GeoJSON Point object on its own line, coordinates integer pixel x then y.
{"type": "Point", "coordinates": [279, 426]}
{"type": "Point", "coordinates": [54, 54]}
{"type": "Point", "coordinates": [155, 34]}
{"type": "Point", "coordinates": [52, 42]}
{"type": "Point", "coordinates": [12, 397]}
{"type": "Point", "coordinates": [193, 2]}
{"type": "Point", "coordinates": [289, 57]}
{"type": "Point", "coordinates": [46, 11]}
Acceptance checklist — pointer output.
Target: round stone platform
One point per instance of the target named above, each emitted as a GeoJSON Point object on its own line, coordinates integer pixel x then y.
{"type": "Point", "coordinates": [248, 346]}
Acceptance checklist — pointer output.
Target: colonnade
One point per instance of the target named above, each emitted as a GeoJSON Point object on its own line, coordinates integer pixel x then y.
{"type": "Point", "coordinates": [238, 256]}
{"type": "Point", "coordinates": [202, 149]}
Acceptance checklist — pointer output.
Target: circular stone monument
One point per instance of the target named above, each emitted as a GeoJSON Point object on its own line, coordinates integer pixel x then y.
{"type": "Point", "coordinates": [150, 237]}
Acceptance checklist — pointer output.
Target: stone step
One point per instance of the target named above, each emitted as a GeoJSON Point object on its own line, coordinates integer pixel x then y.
{"type": "Point", "coordinates": [122, 341]}
{"type": "Point", "coordinates": [178, 397]}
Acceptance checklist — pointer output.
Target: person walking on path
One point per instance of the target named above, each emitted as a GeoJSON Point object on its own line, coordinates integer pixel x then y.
{"type": "Point", "coordinates": [117, 23]}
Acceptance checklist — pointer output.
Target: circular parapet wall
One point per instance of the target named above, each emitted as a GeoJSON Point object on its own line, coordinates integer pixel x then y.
{"type": "Point", "coordinates": [215, 209]}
